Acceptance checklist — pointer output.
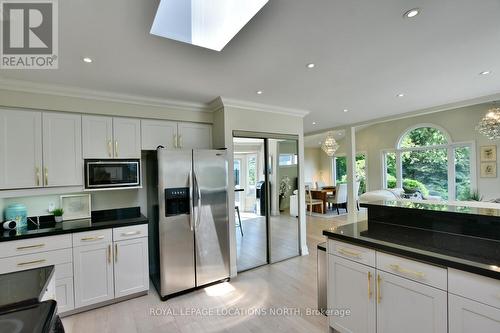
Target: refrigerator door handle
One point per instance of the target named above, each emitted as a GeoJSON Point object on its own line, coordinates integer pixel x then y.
{"type": "Point", "coordinates": [191, 204]}
{"type": "Point", "coordinates": [198, 190]}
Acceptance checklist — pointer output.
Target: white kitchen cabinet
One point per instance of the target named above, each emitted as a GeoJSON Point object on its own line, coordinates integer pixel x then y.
{"type": "Point", "coordinates": [20, 149]}
{"type": "Point", "coordinates": [97, 136]}
{"type": "Point", "coordinates": [93, 273]}
{"type": "Point", "coordinates": [408, 306]}
{"type": "Point", "coordinates": [156, 133]}
{"type": "Point", "coordinates": [194, 136]}
{"type": "Point", "coordinates": [131, 269]}
{"type": "Point", "coordinates": [127, 137]}
{"type": "Point", "coordinates": [62, 149]}
{"type": "Point", "coordinates": [65, 294]}
{"type": "Point", "coordinates": [351, 286]}
{"type": "Point", "coordinates": [467, 316]}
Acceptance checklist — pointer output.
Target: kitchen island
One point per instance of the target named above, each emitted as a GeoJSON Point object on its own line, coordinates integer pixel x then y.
{"type": "Point", "coordinates": [416, 268]}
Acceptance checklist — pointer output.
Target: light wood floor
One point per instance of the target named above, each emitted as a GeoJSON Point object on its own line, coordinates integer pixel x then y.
{"type": "Point", "coordinates": [287, 284]}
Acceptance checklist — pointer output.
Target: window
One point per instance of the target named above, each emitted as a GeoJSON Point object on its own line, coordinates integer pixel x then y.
{"type": "Point", "coordinates": [288, 159]}
{"type": "Point", "coordinates": [252, 171]}
{"type": "Point", "coordinates": [426, 160]}
{"type": "Point", "coordinates": [340, 170]}
{"type": "Point", "coordinates": [237, 171]}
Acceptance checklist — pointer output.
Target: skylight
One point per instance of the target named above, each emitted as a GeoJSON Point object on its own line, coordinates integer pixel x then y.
{"type": "Point", "coordinates": [210, 24]}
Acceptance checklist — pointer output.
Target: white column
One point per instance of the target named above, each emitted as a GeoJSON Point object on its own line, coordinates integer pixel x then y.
{"type": "Point", "coordinates": [351, 169]}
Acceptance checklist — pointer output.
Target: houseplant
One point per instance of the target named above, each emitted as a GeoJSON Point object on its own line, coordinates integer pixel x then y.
{"type": "Point", "coordinates": [285, 188]}
{"type": "Point", "coordinates": [58, 214]}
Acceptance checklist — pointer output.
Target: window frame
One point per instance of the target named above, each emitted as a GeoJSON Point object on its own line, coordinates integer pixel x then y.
{"type": "Point", "coordinates": [450, 148]}
{"type": "Point", "coordinates": [334, 167]}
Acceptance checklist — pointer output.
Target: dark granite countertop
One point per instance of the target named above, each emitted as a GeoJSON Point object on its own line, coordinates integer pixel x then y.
{"type": "Point", "coordinates": [471, 254]}
{"type": "Point", "coordinates": [103, 219]}
{"type": "Point", "coordinates": [24, 287]}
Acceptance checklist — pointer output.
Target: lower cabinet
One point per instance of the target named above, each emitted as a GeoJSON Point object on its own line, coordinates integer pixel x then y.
{"type": "Point", "coordinates": [407, 306]}
{"type": "Point", "coordinates": [93, 274]}
{"type": "Point", "coordinates": [131, 266]}
{"type": "Point", "coordinates": [352, 287]}
{"type": "Point", "coordinates": [65, 294]}
{"type": "Point", "coordinates": [466, 316]}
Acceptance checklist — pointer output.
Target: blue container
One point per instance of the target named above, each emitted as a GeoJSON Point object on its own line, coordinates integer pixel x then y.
{"type": "Point", "coordinates": [19, 213]}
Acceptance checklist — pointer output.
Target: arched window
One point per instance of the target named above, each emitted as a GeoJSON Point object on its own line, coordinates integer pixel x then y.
{"type": "Point", "coordinates": [428, 161]}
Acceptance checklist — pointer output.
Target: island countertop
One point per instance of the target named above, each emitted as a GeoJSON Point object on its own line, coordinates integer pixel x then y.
{"type": "Point", "coordinates": [472, 254]}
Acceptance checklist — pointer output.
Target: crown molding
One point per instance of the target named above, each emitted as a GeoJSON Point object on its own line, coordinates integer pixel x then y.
{"type": "Point", "coordinates": [75, 92]}
{"type": "Point", "coordinates": [220, 102]}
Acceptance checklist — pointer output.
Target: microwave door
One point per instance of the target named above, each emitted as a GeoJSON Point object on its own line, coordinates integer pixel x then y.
{"type": "Point", "coordinates": [112, 173]}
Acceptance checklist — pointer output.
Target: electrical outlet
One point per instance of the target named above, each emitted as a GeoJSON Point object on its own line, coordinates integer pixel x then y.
{"type": "Point", "coordinates": [52, 206]}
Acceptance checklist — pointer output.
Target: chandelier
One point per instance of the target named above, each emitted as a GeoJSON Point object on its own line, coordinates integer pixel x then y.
{"type": "Point", "coordinates": [489, 126]}
{"type": "Point", "coordinates": [330, 146]}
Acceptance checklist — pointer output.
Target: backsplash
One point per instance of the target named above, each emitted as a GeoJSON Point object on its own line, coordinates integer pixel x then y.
{"type": "Point", "coordinates": [38, 205]}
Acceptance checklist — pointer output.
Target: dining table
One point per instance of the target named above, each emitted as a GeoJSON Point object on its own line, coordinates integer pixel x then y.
{"type": "Point", "coordinates": [322, 194]}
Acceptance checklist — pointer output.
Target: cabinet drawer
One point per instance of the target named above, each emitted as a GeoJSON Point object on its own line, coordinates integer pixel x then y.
{"type": "Point", "coordinates": [414, 270]}
{"type": "Point", "coordinates": [34, 245]}
{"type": "Point", "coordinates": [356, 253]}
{"type": "Point", "coordinates": [28, 261]}
{"type": "Point", "coordinates": [476, 287]}
{"type": "Point", "coordinates": [93, 237]}
{"type": "Point", "coordinates": [131, 232]}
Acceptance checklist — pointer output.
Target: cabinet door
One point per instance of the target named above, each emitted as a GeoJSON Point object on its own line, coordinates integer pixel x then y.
{"type": "Point", "coordinates": [408, 306]}
{"type": "Point", "coordinates": [351, 286]}
{"type": "Point", "coordinates": [127, 138]}
{"type": "Point", "coordinates": [131, 266]}
{"type": "Point", "coordinates": [93, 274]}
{"type": "Point", "coordinates": [62, 149]}
{"type": "Point", "coordinates": [194, 136]}
{"type": "Point", "coordinates": [97, 135]}
{"type": "Point", "coordinates": [64, 294]}
{"type": "Point", "coordinates": [20, 149]}
{"type": "Point", "coordinates": [467, 316]}
{"type": "Point", "coordinates": [158, 133]}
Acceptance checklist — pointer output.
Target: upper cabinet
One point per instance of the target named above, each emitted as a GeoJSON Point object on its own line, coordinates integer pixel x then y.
{"type": "Point", "coordinates": [108, 137]}
{"type": "Point", "coordinates": [175, 135]}
{"type": "Point", "coordinates": [20, 149]}
{"type": "Point", "coordinates": [62, 149]}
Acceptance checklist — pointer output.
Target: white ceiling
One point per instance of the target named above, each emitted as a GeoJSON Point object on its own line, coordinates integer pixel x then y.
{"type": "Point", "coordinates": [365, 53]}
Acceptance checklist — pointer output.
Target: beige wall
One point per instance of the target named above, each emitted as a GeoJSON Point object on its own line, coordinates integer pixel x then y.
{"type": "Point", "coordinates": [460, 123]}
{"type": "Point", "coordinates": [317, 166]}
{"type": "Point", "coordinates": [230, 119]}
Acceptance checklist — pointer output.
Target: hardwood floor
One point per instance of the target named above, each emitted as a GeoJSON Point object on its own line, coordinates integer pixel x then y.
{"type": "Point", "coordinates": [289, 285]}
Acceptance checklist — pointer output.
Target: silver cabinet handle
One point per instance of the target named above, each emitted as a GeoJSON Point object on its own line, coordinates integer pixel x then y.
{"type": "Point", "coordinates": [37, 176]}
{"type": "Point", "coordinates": [116, 148]}
{"type": "Point", "coordinates": [30, 247]}
{"type": "Point", "coordinates": [31, 262]}
{"type": "Point", "coordinates": [46, 176]}
{"type": "Point", "coordinates": [180, 141]}
{"type": "Point", "coordinates": [116, 252]}
{"type": "Point", "coordinates": [175, 140]}
{"type": "Point", "coordinates": [92, 238]}
{"type": "Point", "coordinates": [130, 233]}
{"type": "Point", "coordinates": [198, 219]}
{"type": "Point", "coordinates": [191, 203]}
{"type": "Point", "coordinates": [110, 148]}
{"type": "Point", "coordinates": [109, 253]}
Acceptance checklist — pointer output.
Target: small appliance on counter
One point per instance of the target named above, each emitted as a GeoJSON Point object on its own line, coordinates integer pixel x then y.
{"type": "Point", "coordinates": [9, 225]}
{"type": "Point", "coordinates": [19, 213]}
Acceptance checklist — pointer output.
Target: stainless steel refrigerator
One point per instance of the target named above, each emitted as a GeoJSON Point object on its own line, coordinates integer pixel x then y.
{"type": "Point", "coordinates": [189, 223]}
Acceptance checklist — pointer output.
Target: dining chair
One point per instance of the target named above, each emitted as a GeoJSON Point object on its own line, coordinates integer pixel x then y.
{"type": "Point", "coordinates": [239, 220]}
{"type": "Point", "coordinates": [310, 202]}
{"type": "Point", "coordinates": [340, 198]}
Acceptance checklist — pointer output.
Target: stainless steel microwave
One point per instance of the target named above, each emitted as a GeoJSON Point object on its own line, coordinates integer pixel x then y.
{"type": "Point", "coordinates": [112, 173]}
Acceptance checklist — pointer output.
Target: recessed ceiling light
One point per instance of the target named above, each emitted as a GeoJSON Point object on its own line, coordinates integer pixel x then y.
{"type": "Point", "coordinates": [400, 95]}
{"type": "Point", "coordinates": [87, 60]}
{"type": "Point", "coordinates": [485, 73]}
{"type": "Point", "coordinates": [314, 123]}
{"type": "Point", "coordinates": [345, 110]}
{"type": "Point", "coordinates": [259, 92]}
{"type": "Point", "coordinates": [311, 65]}
{"type": "Point", "coordinates": [412, 13]}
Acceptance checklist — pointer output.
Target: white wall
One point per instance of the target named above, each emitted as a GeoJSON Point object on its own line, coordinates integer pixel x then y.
{"type": "Point", "coordinates": [460, 123]}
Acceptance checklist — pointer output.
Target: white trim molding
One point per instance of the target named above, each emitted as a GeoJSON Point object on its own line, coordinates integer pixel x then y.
{"type": "Point", "coordinates": [220, 102]}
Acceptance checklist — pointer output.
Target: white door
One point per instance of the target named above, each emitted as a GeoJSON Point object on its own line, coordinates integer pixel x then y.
{"type": "Point", "coordinates": [194, 136]}
{"type": "Point", "coordinates": [156, 133]}
{"type": "Point", "coordinates": [467, 316]}
{"type": "Point", "coordinates": [93, 274]}
{"type": "Point", "coordinates": [127, 137]}
{"type": "Point", "coordinates": [97, 135]}
{"type": "Point", "coordinates": [20, 149]}
{"type": "Point", "coordinates": [64, 294]}
{"type": "Point", "coordinates": [62, 149]}
{"type": "Point", "coordinates": [351, 286]}
{"type": "Point", "coordinates": [131, 266]}
{"type": "Point", "coordinates": [409, 307]}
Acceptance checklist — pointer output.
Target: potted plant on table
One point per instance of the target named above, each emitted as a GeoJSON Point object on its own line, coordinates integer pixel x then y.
{"type": "Point", "coordinates": [285, 188]}
{"type": "Point", "coordinates": [58, 214]}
